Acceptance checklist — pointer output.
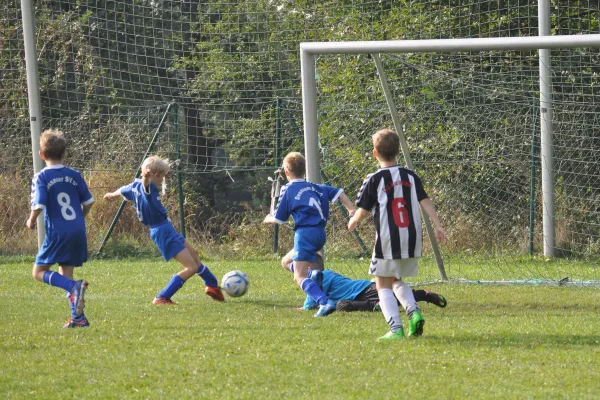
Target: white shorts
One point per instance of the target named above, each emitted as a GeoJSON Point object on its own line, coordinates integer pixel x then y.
{"type": "Point", "coordinates": [394, 268]}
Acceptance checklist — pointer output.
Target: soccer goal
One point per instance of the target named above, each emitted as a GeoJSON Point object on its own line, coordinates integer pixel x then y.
{"type": "Point", "coordinates": [503, 135]}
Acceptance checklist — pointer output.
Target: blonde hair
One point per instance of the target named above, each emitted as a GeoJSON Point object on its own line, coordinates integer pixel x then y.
{"type": "Point", "coordinates": [295, 164]}
{"type": "Point", "coordinates": [155, 165]}
{"type": "Point", "coordinates": [53, 144]}
{"type": "Point", "coordinates": [387, 144]}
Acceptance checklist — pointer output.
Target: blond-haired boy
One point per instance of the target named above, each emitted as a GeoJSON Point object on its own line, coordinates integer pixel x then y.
{"type": "Point", "coordinates": [147, 201]}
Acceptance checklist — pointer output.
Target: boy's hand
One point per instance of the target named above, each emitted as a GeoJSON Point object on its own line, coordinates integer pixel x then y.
{"type": "Point", "coordinates": [31, 222]}
{"type": "Point", "coordinates": [269, 219]}
{"type": "Point", "coordinates": [108, 197]}
{"type": "Point", "coordinates": [352, 224]}
{"type": "Point", "coordinates": [440, 235]}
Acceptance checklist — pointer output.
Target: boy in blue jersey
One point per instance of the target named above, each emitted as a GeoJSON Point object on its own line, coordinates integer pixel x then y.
{"type": "Point", "coordinates": [308, 205]}
{"type": "Point", "coordinates": [146, 198]}
{"type": "Point", "coordinates": [62, 194]}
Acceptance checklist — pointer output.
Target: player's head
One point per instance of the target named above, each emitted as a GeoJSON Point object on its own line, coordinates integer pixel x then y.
{"type": "Point", "coordinates": [294, 165]}
{"type": "Point", "coordinates": [155, 167]}
{"type": "Point", "coordinates": [386, 145]}
{"type": "Point", "coordinates": [53, 145]}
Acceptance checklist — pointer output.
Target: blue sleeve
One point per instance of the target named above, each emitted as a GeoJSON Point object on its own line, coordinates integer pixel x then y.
{"type": "Point", "coordinates": [309, 304]}
{"type": "Point", "coordinates": [282, 213]}
{"type": "Point", "coordinates": [39, 194]}
{"type": "Point", "coordinates": [333, 193]}
{"type": "Point", "coordinates": [85, 196]}
{"type": "Point", "coordinates": [127, 192]}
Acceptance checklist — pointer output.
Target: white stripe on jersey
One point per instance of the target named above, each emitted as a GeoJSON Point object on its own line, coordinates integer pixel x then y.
{"type": "Point", "coordinates": [416, 213]}
{"type": "Point", "coordinates": [384, 226]}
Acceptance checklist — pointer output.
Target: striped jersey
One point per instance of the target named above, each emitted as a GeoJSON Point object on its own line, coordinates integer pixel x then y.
{"type": "Point", "coordinates": [393, 194]}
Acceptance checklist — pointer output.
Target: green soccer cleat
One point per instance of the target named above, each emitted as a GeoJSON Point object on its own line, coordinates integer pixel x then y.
{"type": "Point", "coordinates": [398, 335]}
{"type": "Point", "coordinates": [415, 324]}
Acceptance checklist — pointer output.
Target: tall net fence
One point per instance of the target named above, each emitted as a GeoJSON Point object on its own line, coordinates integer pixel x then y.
{"type": "Point", "coordinates": [228, 72]}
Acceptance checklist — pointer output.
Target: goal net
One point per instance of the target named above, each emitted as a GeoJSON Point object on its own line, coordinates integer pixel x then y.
{"type": "Point", "coordinates": [472, 125]}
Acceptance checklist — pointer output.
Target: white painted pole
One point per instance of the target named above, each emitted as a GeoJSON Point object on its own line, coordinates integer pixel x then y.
{"type": "Point", "coordinates": [546, 131]}
{"type": "Point", "coordinates": [309, 108]}
{"type": "Point", "coordinates": [33, 93]}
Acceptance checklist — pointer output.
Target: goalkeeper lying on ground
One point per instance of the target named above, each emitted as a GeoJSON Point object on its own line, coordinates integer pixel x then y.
{"type": "Point", "coordinates": [351, 294]}
{"type": "Point", "coordinates": [360, 294]}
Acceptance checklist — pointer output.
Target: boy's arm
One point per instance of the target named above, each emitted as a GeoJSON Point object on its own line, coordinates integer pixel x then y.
{"type": "Point", "coordinates": [347, 203]}
{"type": "Point", "coordinates": [359, 215]}
{"type": "Point", "coordinates": [112, 195]}
{"type": "Point", "coordinates": [33, 218]}
{"type": "Point", "coordinates": [440, 233]}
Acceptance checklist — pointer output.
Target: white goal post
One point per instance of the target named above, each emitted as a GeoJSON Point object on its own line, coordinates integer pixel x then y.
{"type": "Point", "coordinates": [309, 50]}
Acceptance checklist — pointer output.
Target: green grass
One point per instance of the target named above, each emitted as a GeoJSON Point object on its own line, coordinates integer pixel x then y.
{"type": "Point", "coordinates": [490, 342]}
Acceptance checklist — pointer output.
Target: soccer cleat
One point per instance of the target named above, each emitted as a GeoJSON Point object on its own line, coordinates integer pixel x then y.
{"type": "Point", "coordinates": [415, 323]}
{"type": "Point", "coordinates": [317, 277]}
{"type": "Point", "coordinates": [80, 322]}
{"type": "Point", "coordinates": [398, 335]}
{"type": "Point", "coordinates": [162, 301]}
{"type": "Point", "coordinates": [215, 293]}
{"type": "Point", "coordinates": [77, 296]}
{"type": "Point", "coordinates": [436, 299]}
{"type": "Point", "coordinates": [325, 309]}
{"type": "Point", "coordinates": [377, 307]}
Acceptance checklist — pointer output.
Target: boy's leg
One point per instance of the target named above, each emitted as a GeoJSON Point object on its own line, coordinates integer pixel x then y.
{"type": "Point", "coordinates": [203, 271]}
{"type": "Point", "coordinates": [312, 289]}
{"type": "Point", "coordinates": [389, 306]}
{"type": "Point", "coordinates": [189, 269]}
{"type": "Point", "coordinates": [405, 295]}
{"type": "Point", "coordinates": [286, 261]}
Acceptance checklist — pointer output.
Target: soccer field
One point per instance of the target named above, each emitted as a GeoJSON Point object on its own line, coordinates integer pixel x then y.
{"type": "Point", "coordinates": [490, 342]}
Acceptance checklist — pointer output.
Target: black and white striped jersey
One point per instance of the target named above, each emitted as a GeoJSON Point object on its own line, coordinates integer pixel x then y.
{"type": "Point", "coordinates": [393, 194]}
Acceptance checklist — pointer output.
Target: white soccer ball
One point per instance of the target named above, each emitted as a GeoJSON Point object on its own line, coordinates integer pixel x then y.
{"type": "Point", "coordinates": [235, 283]}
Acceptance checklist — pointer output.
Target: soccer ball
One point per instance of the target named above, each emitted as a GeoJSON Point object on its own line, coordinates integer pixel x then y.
{"type": "Point", "coordinates": [235, 283]}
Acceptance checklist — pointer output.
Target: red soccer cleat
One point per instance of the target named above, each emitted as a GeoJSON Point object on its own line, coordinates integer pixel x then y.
{"type": "Point", "coordinates": [158, 301]}
{"type": "Point", "coordinates": [215, 293]}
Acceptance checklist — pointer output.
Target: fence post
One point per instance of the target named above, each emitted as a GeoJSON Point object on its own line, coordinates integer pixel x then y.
{"type": "Point", "coordinates": [277, 163]}
{"type": "Point", "coordinates": [532, 186]}
{"type": "Point", "coordinates": [179, 174]}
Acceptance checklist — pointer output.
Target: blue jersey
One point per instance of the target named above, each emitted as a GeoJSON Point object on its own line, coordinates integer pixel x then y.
{"type": "Point", "coordinates": [337, 287]}
{"type": "Point", "coordinates": [307, 203]}
{"type": "Point", "coordinates": [60, 191]}
{"type": "Point", "coordinates": [150, 210]}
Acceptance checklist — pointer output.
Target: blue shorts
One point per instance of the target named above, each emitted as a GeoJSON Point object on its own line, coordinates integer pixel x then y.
{"type": "Point", "coordinates": [68, 249]}
{"type": "Point", "coordinates": [167, 239]}
{"type": "Point", "coordinates": [307, 241]}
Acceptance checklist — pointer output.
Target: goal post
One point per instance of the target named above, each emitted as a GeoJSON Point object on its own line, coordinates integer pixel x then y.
{"type": "Point", "coordinates": [309, 50]}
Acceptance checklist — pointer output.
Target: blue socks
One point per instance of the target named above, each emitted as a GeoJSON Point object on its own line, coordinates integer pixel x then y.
{"type": "Point", "coordinates": [312, 289]}
{"type": "Point", "coordinates": [207, 276]}
{"type": "Point", "coordinates": [172, 287]}
{"type": "Point", "coordinates": [55, 279]}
